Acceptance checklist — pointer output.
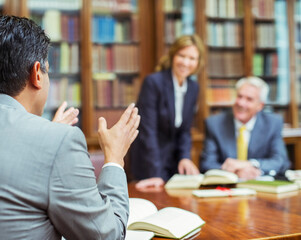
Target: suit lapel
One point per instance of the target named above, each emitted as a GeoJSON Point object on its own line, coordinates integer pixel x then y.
{"type": "Point", "coordinates": [257, 135]}
{"type": "Point", "coordinates": [187, 102]}
{"type": "Point", "coordinates": [230, 135]}
{"type": "Point", "coordinates": [169, 91]}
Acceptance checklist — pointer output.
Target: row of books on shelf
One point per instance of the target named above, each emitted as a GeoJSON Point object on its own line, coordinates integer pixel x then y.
{"type": "Point", "coordinates": [65, 5]}
{"type": "Point", "coordinates": [112, 6]}
{"type": "Point", "coordinates": [108, 29]}
{"type": "Point", "coordinates": [64, 89]}
{"type": "Point", "coordinates": [225, 64]}
{"type": "Point", "coordinates": [115, 93]}
{"type": "Point", "coordinates": [297, 9]}
{"type": "Point", "coordinates": [227, 34]}
{"type": "Point", "coordinates": [221, 91]}
{"type": "Point", "coordinates": [224, 8]}
{"type": "Point", "coordinates": [265, 35]}
{"type": "Point", "coordinates": [64, 58]}
{"type": "Point", "coordinates": [263, 9]}
{"type": "Point", "coordinates": [172, 5]}
{"type": "Point", "coordinates": [220, 95]}
{"type": "Point", "coordinates": [179, 18]}
{"type": "Point", "coordinates": [115, 58]}
{"type": "Point", "coordinates": [265, 64]}
{"type": "Point", "coordinates": [173, 29]}
{"type": "Point", "coordinates": [59, 26]}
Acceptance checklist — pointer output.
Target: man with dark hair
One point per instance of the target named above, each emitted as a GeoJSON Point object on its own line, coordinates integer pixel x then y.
{"type": "Point", "coordinates": [48, 188]}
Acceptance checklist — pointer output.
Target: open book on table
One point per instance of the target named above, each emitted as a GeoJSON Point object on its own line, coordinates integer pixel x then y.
{"type": "Point", "coordinates": [168, 222]}
{"type": "Point", "coordinates": [211, 177]}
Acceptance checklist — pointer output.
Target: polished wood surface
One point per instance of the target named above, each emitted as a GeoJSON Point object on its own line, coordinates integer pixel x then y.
{"type": "Point", "coordinates": [264, 216]}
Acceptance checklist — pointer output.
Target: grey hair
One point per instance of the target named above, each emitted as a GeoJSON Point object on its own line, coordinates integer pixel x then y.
{"type": "Point", "coordinates": [256, 82]}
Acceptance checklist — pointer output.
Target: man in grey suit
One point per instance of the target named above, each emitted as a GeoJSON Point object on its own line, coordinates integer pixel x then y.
{"type": "Point", "coordinates": [47, 184]}
{"type": "Point", "coordinates": [266, 153]}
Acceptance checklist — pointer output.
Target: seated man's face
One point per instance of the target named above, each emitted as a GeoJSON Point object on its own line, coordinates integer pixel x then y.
{"type": "Point", "coordinates": [247, 103]}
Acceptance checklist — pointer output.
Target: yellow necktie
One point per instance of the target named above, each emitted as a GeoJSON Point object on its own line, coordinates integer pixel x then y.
{"type": "Point", "coordinates": [242, 147]}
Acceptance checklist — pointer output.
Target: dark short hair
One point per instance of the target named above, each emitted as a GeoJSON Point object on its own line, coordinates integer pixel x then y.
{"type": "Point", "coordinates": [22, 43]}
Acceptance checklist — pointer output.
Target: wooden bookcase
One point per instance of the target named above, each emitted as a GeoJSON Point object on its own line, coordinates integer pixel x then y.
{"type": "Point", "coordinates": [61, 21]}
{"type": "Point", "coordinates": [159, 22]}
{"type": "Point", "coordinates": [145, 62]}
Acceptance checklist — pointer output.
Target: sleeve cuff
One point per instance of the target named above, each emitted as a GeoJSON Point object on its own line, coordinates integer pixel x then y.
{"type": "Point", "coordinates": [112, 164]}
{"type": "Point", "coordinates": [255, 163]}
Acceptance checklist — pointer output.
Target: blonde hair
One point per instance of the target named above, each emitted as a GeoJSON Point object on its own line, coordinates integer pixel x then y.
{"type": "Point", "coordinates": [165, 61]}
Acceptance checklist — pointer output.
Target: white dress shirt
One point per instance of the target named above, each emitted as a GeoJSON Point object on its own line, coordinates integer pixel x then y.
{"type": "Point", "coordinates": [179, 92]}
{"type": "Point", "coordinates": [249, 127]}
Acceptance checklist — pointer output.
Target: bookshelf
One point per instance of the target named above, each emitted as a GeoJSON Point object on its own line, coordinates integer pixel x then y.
{"type": "Point", "coordinates": [157, 24]}
{"type": "Point", "coordinates": [297, 55]}
{"type": "Point", "coordinates": [271, 53]}
{"type": "Point", "coordinates": [115, 58]}
{"type": "Point", "coordinates": [225, 50]}
{"type": "Point", "coordinates": [61, 19]}
{"type": "Point", "coordinates": [112, 65]}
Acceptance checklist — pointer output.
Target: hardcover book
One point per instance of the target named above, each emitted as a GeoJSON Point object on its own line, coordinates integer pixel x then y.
{"type": "Point", "coordinates": [169, 222]}
{"type": "Point", "coordinates": [276, 186]}
{"type": "Point", "coordinates": [211, 177]}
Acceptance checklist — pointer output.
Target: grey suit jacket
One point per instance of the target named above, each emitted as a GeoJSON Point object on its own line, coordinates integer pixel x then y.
{"type": "Point", "coordinates": [266, 144]}
{"type": "Point", "coordinates": [47, 182]}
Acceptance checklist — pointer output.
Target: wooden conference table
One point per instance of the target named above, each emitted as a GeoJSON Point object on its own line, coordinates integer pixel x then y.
{"type": "Point", "coordinates": [263, 216]}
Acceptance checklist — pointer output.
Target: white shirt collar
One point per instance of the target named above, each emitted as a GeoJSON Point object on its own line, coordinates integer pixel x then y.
{"type": "Point", "coordinates": [249, 125]}
{"type": "Point", "coordinates": [176, 85]}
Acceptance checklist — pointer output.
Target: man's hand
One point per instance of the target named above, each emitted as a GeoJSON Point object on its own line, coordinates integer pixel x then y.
{"type": "Point", "coordinates": [232, 165]}
{"type": "Point", "coordinates": [116, 141]}
{"type": "Point", "coordinates": [155, 182]}
{"type": "Point", "coordinates": [187, 167]}
{"type": "Point", "coordinates": [248, 173]}
{"type": "Point", "coordinates": [243, 169]}
{"type": "Point", "coordinates": [67, 117]}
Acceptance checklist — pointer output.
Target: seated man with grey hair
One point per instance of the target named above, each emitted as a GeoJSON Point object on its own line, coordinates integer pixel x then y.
{"type": "Point", "coordinates": [246, 140]}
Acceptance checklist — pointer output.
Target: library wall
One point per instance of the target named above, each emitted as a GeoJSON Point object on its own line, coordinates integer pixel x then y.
{"type": "Point", "coordinates": [102, 50]}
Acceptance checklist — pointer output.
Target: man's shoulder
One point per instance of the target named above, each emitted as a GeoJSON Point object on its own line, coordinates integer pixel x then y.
{"type": "Point", "coordinates": [270, 117]}
{"type": "Point", "coordinates": [220, 117]}
{"type": "Point", "coordinates": [52, 130]}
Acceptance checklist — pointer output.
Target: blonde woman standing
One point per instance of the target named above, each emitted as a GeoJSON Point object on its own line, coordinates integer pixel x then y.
{"type": "Point", "coordinates": [167, 104]}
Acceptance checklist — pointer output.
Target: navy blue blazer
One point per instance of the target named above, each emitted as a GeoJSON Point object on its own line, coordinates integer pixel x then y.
{"type": "Point", "coordinates": [160, 145]}
{"type": "Point", "coordinates": [266, 144]}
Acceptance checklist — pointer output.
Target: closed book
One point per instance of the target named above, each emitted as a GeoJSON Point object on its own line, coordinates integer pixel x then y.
{"type": "Point", "coordinates": [276, 186]}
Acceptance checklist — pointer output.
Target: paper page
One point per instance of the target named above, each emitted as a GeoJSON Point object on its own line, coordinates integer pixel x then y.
{"type": "Point", "coordinates": [224, 193]}
{"type": "Point", "coordinates": [184, 181]}
{"type": "Point", "coordinates": [139, 209]}
{"type": "Point", "coordinates": [218, 172]}
{"type": "Point", "coordinates": [138, 235]}
{"type": "Point", "coordinates": [178, 221]}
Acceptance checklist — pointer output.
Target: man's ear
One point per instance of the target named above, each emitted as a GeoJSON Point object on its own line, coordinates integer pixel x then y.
{"type": "Point", "coordinates": [260, 106]}
{"type": "Point", "coordinates": [35, 76]}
